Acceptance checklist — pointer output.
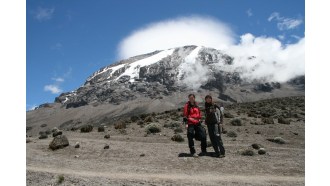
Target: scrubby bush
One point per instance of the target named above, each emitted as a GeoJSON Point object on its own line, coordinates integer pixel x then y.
{"type": "Point", "coordinates": [283, 120]}
{"type": "Point", "coordinates": [247, 152]}
{"type": "Point", "coordinates": [120, 125]}
{"type": "Point", "coordinates": [232, 134]}
{"type": "Point", "coordinates": [267, 120]}
{"type": "Point", "coordinates": [134, 118]}
{"type": "Point", "coordinates": [172, 125]}
{"type": "Point", "coordinates": [60, 179]}
{"type": "Point", "coordinates": [143, 116]}
{"type": "Point", "coordinates": [236, 122]}
{"type": "Point", "coordinates": [86, 128]}
{"type": "Point", "coordinates": [177, 138]}
{"type": "Point", "coordinates": [256, 146]}
{"type": "Point", "coordinates": [149, 119]}
{"type": "Point", "coordinates": [178, 130]}
{"type": "Point", "coordinates": [100, 129]}
{"type": "Point", "coordinates": [152, 128]}
{"type": "Point", "coordinates": [140, 123]}
{"type": "Point", "coordinates": [251, 114]}
{"type": "Point", "coordinates": [278, 140]}
{"type": "Point", "coordinates": [228, 115]}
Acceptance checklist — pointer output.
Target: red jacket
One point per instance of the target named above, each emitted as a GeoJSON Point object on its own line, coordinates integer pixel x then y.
{"type": "Point", "coordinates": [194, 113]}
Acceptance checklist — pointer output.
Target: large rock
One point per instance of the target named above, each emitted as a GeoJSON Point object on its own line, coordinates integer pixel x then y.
{"type": "Point", "coordinates": [59, 142]}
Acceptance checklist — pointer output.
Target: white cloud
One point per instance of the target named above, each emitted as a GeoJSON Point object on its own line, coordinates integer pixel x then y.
{"type": "Point", "coordinates": [59, 79]}
{"type": "Point", "coordinates": [288, 24]}
{"type": "Point", "coordinates": [273, 62]}
{"type": "Point", "coordinates": [177, 32]}
{"type": "Point", "coordinates": [275, 15]}
{"type": "Point", "coordinates": [249, 12]}
{"type": "Point", "coordinates": [43, 14]}
{"type": "Point", "coordinates": [284, 23]}
{"type": "Point", "coordinates": [54, 89]}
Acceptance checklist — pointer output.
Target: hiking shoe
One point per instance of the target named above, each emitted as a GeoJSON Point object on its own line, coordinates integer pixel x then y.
{"type": "Point", "coordinates": [195, 155]}
{"type": "Point", "coordinates": [222, 156]}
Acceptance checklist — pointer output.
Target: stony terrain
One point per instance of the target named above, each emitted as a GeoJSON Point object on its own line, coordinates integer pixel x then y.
{"type": "Point", "coordinates": [140, 150]}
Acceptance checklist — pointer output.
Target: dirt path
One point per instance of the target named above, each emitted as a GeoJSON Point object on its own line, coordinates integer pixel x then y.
{"type": "Point", "coordinates": [177, 178]}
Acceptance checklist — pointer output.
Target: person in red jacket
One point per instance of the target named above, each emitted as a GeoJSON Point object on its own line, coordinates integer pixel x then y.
{"type": "Point", "coordinates": [192, 118]}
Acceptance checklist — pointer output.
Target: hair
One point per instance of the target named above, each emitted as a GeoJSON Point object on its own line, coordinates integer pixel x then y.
{"type": "Point", "coordinates": [208, 96]}
{"type": "Point", "coordinates": [191, 95]}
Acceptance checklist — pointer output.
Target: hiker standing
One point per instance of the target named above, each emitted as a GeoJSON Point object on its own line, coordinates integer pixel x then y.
{"type": "Point", "coordinates": [214, 122]}
{"type": "Point", "coordinates": [192, 117]}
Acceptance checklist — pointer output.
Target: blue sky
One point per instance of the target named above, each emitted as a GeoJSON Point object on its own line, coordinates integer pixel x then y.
{"type": "Point", "coordinates": [66, 41]}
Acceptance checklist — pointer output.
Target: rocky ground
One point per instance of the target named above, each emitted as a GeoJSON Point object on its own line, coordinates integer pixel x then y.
{"type": "Point", "coordinates": [140, 150]}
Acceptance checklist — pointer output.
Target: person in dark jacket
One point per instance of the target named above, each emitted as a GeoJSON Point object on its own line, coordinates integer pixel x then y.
{"type": "Point", "coordinates": [214, 122]}
{"type": "Point", "coordinates": [192, 117]}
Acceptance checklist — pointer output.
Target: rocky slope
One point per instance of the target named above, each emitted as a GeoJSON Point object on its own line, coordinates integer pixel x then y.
{"type": "Point", "coordinates": [160, 81]}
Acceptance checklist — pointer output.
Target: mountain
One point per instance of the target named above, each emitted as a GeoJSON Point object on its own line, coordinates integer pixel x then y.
{"type": "Point", "coordinates": [160, 81]}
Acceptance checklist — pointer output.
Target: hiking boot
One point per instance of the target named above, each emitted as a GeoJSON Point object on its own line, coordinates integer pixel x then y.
{"type": "Point", "coordinates": [222, 156]}
{"type": "Point", "coordinates": [195, 155]}
{"type": "Point", "coordinates": [202, 154]}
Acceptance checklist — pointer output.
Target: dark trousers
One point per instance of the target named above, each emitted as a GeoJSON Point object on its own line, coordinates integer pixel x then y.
{"type": "Point", "coordinates": [215, 137]}
{"type": "Point", "coordinates": [191, 130]}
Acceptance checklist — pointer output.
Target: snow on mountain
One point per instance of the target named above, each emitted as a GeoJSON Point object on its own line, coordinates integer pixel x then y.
{"type": "Point", "coordinates": [163, 73]}
{"type": "Point", "coordinates": [134, 68]}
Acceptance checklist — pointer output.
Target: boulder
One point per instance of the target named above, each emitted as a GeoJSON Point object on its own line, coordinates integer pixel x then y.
{"type": "Point", "coordinates": [59, 142]}
{"type": "Point", "coordinates": [57, 133]}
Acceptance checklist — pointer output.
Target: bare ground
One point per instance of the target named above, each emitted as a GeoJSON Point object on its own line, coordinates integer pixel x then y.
{"type": "Point", "coordinates": [136, 159]}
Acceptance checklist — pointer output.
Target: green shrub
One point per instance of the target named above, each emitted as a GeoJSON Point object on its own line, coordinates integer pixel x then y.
{"type": "Point", "coordinates": [178, 130]}
{"type": "Point", "coordinates": [228, 115]}
{"type": "Point", "coordinates": [177, 138]}
{"type": "Point", "coordinates": [267, 120]}
{"type": "Point", "coordinates": [120, 125]}
{"type": "Point", "coordinates": [283, 120]}
{"type": "Point", "coordinates": [153, 128]}
{"type": "Point", "coordinates": [232, 134]}
{"type": "Point", "coordinates": [86, 128]}
{"type": "Point", "coordinates": [149, 119]}
{"type": "Point", "coordinates": [236, 122]}
{"type": "Point", "coordinates": [60, 179]}
{"type": "Point", "coordinates": [134, 118]}
{"type": "Point", "coordinates": [172, 125]}
{"type": "Point", "coordinates": [100, 129]}
{"type": "Point", "coordinates": [247, 152]}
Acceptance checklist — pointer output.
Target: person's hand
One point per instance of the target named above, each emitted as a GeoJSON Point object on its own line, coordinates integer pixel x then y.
{"type": "Point", "coordinates": [186, 126]}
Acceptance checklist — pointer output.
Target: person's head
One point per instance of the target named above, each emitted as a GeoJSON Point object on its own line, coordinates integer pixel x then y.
{"type": "Point", "coordinates": [208, 99]}
{"type": "Point", "coordinates": [191, 98]}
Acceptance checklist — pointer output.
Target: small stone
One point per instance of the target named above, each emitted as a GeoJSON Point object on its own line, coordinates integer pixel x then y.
{"type": "Point", "coordinates": [107, 136]}
{"type": "Point", "coordinates": [106, 147]}
{"type": "Point", "coordinates": [258, 132]}
{"type": "Point", "coordinates": [76, 156]}
{"type": "Point", "coordinates": [256, 146]}
{"type": "Point", "coordinates": [77, 145]}
{"type": "Point", "coordinates": [142, 155]}
{"type": "Point", "coordinates": [261, 151]}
